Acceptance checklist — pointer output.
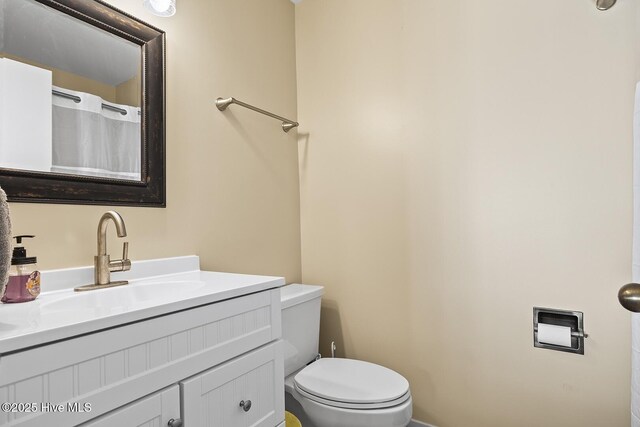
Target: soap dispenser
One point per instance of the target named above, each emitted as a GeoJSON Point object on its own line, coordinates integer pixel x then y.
{"type": "Point", "coordinates": [24, 277]}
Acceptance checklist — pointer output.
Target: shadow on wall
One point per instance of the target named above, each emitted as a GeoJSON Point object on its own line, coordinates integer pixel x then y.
{"type": "Point", "coordinates": [303, 146]}
{"type": "Point", "coordinates": [331, 329]}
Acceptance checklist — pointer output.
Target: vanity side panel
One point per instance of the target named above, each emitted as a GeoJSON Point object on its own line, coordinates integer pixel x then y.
{"type": "Point", "coordinates": [276, 313]}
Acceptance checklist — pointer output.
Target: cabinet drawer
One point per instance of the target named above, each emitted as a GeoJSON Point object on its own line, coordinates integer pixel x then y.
{"type": "Point", "coordinates": [154, 410]}
{"type": "Point", "coordinates": [213, 398]}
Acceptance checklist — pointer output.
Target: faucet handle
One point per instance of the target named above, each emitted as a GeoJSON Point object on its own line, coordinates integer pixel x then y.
{"type": "Point", "coordinates": [126, 263]}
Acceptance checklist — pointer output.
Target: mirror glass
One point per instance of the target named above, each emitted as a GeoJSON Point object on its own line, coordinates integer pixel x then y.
{"type": "Point", "coordinates": [70, 95]}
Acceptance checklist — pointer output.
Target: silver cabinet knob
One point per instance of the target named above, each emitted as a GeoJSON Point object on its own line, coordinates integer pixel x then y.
{"type": "Point", "coordinates": [245, 405]}
{"type": "Point", "coordinates": [175, 422]}
{"type": "Point", "coordinates": [629, 297]}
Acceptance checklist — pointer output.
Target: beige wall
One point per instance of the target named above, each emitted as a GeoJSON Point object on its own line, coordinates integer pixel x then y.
{"type": "Point", "coordinates": [461, 162]}
{"type": "Point", "coordinates": [128, 93]}
{"type": "Point", "coordinates": [232, 187]}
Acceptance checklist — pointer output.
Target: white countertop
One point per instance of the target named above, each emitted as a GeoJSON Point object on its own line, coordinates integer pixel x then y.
{"type": "Point", "coordinates": [62, 313]}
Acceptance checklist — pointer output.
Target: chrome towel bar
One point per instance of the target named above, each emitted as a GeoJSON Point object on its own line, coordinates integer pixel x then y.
{"type": "Point", "coordinates": [223, 103]}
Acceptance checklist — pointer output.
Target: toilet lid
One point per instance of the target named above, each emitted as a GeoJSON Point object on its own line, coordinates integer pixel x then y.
{"type": "Point", "coordinates": [352, 381]}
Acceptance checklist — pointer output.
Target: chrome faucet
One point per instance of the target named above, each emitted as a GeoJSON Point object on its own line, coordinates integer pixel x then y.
{"type": "Point", "coordinates": [102, 262]}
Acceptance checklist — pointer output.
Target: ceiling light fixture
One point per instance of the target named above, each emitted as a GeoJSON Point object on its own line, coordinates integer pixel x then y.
{"type": "Point", "coordinates": [161, 7]}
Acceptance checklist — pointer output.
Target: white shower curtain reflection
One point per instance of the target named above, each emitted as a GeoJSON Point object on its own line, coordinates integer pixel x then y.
{"type": "Point", "coordinates": [635, 317]}
{"type": "Point", "coordinates": [91, 140]}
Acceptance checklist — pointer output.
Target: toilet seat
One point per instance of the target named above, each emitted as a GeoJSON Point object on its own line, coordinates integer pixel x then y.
{"type": "Point", "coordinates": [346, 405]}
{"type": "Point", "coordinates": [352, 384]}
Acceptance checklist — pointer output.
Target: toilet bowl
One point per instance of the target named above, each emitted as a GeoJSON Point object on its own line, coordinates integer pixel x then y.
{"type": "Point", "coordinates": [351, 393]}
{"type": "Point", "coordinates": [335, 392]}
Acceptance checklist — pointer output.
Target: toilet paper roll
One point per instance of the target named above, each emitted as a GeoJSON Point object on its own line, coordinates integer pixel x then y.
{"type": "Point", "coordinates": [554, 334]}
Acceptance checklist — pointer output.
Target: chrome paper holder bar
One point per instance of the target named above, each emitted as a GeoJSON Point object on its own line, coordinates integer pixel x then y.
{"type": "Point", "coordinates": [573, 333]}
{"type": "Point", "coordinates": [223, 103]}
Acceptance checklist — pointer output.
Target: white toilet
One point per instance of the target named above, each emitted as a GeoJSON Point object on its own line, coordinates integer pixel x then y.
{"type": "Point", "coordinates": [335, 392]}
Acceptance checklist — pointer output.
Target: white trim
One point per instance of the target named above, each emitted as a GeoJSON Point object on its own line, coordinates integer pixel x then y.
{"type": "Point", "coordinates": [415, 423]}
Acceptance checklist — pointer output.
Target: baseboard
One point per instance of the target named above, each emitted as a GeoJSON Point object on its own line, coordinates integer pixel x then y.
{"type": "Point", "coordinates": [415, 423]}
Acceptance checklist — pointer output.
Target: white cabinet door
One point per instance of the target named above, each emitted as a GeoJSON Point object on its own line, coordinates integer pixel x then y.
{"type": "Point", "coordinates": [247, 391]}
{"type": "Point", "coordinates": [155, 410]}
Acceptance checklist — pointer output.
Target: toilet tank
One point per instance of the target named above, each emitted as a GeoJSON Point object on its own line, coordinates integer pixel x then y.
{"type": "Point", "coordinates": [300, 324]}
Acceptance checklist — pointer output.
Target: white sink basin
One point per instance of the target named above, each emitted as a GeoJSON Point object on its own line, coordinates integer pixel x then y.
{"type": "Point", "coordinates": [122, 298]}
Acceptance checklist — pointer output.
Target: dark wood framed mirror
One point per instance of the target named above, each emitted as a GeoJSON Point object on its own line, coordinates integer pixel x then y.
{"type": "Point", "coordinates": [82, 104]}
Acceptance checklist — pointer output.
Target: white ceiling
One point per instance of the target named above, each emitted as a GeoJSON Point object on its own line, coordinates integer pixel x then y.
{"type": "Point", "coordinates": [35, 32]}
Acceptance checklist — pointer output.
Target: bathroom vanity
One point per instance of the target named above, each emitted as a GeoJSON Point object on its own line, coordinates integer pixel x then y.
{"type": "Point", "coordinates": [177, 346]}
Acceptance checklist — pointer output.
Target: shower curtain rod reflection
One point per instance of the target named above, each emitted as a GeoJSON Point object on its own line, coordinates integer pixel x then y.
{"type": "Point", "coordinates": [77, 99]}
{"type": "Point", "coordinates": [223, 103]}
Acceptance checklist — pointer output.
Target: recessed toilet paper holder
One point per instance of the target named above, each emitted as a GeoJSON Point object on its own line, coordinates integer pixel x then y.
{"type": "Point", "coordinates": [563, 318]}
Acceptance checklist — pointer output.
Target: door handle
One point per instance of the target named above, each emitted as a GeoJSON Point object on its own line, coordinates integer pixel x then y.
{"type": "Point", "coordinates": [629, 297]}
